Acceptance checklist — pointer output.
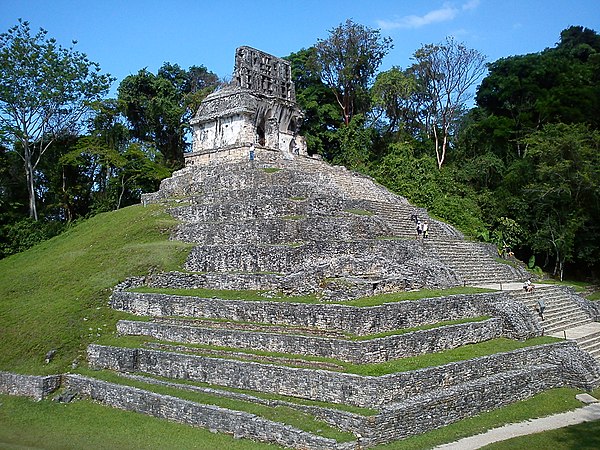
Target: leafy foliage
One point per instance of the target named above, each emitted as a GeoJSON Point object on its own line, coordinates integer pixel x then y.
{"type": "Point", "coordinates": [160, 106]}
{"type": "Point", "coordinates": [44, 91]}
{"type": "Point", "coordinates": [348, 60]}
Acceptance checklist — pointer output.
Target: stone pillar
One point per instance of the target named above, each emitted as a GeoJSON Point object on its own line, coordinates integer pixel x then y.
{"type": "Point", "coordinates": [272, 133]}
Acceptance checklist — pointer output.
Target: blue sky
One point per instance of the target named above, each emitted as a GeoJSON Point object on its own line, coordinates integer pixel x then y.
{"type": "Point", "coordinates": [127, 35]}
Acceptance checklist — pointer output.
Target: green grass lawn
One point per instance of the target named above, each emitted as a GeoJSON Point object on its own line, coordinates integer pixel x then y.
{"type": "Point", "coordinates": [55, 295]}
{"type": "Point", "coordinates": [87, 425]}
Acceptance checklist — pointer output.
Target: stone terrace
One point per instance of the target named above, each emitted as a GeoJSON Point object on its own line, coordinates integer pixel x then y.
{"type": "Point", "coordinates": [304, 227]}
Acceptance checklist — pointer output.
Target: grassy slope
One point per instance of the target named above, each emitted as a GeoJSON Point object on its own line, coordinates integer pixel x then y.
{"type": "Point", "coordinates": [87, 425]}
{"type": "Point", "coordinates": [54, 296]}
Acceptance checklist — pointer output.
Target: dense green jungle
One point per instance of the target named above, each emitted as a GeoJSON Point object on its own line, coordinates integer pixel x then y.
{"type": "Point", "coordinates": [508, 151]}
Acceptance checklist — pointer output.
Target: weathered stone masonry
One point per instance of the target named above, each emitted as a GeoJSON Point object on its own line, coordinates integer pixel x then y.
{"type": "Point", "coordinates": [576, 368]}
{"type": "Point", "coordinates": [361, 321]}
{"type": "Point", "coordinates": [238, 423]}
{"type": "Point", "coordinates": [34, 386]}
{"type": "Point", "coordinates": [359, 352]}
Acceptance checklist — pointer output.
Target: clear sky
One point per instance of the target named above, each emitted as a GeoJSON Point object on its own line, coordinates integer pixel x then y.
{"type": "Point", "coordinates": [124, 36]}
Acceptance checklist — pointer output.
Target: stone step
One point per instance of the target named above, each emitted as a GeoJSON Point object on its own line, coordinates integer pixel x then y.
{"type": "Point", "coordinates": [300, 191]}
{"type": "Point", "coordinates": [592, 347]}
{"type": "Point", "coordinates": [595, 354]}
{"type": "Point", "coordinates": [571, 316]}
{"type": "Point", "coordinates": [590, 338]}
{"type": "Point", "coordinates": [551, 315]}
{"type": "Point", "coordinates": [360, 321]}
{"type": "Point", "coordinates": [565, 325]}
{"type": "Point", "coordinates": [454, 403]}
{"type": "Point", "coordinates": [336, 387]}
{"type": "Point", "coordinates": [227, 325]}
{"type": "Point", "coordinates": [297, 361]}
{"type": "Point", "coordinates": [335, 258]}
{"type": "Point", "coordinates": [253, 208]}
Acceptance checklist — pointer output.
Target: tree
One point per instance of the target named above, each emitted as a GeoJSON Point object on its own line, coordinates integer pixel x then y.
{"type": "Point", "coordinates": [392, 95]}
{"type": "Point", "coordinates": [448, 70]}
{"type": "Point", "coordinates": [348, 60]}
{"type": "Point", "coordinates": [160, 106]}
{"type": "Point", "coordinates": [317, 101]}
{"type": "Point", "coordinates": [557, 85]}
{"type": "Point", "coordinates": [562, 194]}
{"type": "Point", "coordinates": [45, 90]}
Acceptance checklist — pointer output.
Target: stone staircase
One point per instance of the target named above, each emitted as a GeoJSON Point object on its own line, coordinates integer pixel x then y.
{"type": "Point", "coordinates": [560, 313]}
{"type": "Point", "coordinates": [563, 317]}
{"type": "Point", "coordinates": [589, 340]}
{"type": "Point", "coordinates": [475, 262]}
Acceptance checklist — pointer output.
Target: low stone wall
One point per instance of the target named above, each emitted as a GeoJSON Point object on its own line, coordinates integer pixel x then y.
{"type": "Point", "coordinates": [355, 320]}
{"type": "Point", "coordinates": [236, 281]}
{"type": "Point", "coordinates": [237, 423]}
{"type": "Point", "coordinates": [577, 368]}
{"type": "Point", "coordinates": [359, 352]}
{"type": "Point", "coordinates": [344, 420]}
{"type": "Point", "coordinates": [443, 407]}
{"type": "Point", "coordinates": [592, 308]}
{"type": "Point", "coordinates": [36, 387]}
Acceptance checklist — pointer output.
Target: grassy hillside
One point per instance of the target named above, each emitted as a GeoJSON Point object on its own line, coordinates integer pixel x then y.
{"type": "Point", "coordinates": [54, 296]}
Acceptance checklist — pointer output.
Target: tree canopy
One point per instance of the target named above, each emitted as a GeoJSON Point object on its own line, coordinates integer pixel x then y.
{"type": "Point", "coordinates": [520, 168]}
{"type": "Point", "coordinates": [45, 90]}
{"type": "Point", "coordinates": [160, 106]}
{"type": "Point", "coordinates": [348, 60]}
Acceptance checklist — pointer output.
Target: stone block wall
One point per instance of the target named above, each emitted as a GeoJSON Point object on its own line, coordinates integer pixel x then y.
{"type": "Point", "coordinates": [236, 281]}
{"type": "Point", "coordinates": [341, 257]}
{"type": "Point", "coordinates": [237, 423]}
{"type": "Point", "coordinates": [360, 321]}
{"type": "Point", "coordinates": [36, 387]}
{"type": "Point", "coordinates": [443, 407]}
{"type": "Point", "coordinates": [359, 352]}
{"type": "Point", "coordinates": [252, 203]}
{"type": "Point", "coordinates": [336, 387]}
{"type": "Point", "coordinates": [294, 229]}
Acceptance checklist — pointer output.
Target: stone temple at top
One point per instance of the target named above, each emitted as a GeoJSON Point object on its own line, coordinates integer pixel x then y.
{"type": "Point", "coordinates": [256, 112]}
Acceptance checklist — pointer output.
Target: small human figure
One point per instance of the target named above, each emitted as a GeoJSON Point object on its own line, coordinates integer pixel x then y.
{"type": "Point", "coordinates": [540, 308]}
{"type": "Point", "coordinates": [425, 228]}
{"type": "Point", "coordinates": [528, 286]}
{"type": "Point", "coordinates": [252, 152]}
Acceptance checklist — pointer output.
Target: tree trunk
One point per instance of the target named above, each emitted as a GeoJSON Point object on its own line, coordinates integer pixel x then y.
{"type": "Point", "coordinates": [122, 192]}
{"type": "Point", "coordinates": [438, 155]}
{"type": "Point", "coordinates": [30, 184]}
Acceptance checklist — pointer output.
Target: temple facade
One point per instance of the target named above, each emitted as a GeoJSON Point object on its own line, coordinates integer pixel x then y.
{"type": "Point", "coordinates": [255, 113]}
